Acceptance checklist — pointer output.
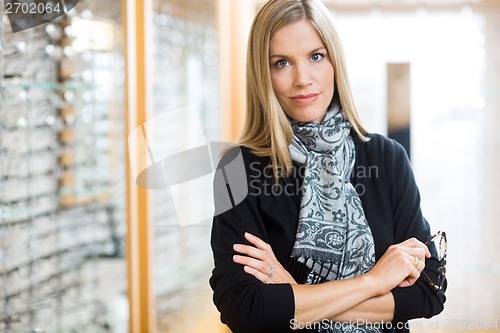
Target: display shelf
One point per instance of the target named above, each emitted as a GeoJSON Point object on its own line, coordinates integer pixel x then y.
{"type": "Point", "coordinates": [74, 86]}
{"type": "Point", "coordinates": [58, 174]}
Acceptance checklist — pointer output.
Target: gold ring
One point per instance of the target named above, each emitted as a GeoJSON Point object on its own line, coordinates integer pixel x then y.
{"type": "Point", "coordinates": [416, 262]}
{"type": "Point", "coordinates": [271, 273]}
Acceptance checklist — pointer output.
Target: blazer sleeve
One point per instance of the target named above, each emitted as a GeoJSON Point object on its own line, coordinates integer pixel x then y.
{"type": "Point", "coordinates": [245, 303]}
{"type": "Point", "coordinates": [419, 300]}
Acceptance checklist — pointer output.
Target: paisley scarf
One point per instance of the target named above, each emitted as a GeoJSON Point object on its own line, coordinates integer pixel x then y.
{"type": "Point", "coordinates": [333, 237]}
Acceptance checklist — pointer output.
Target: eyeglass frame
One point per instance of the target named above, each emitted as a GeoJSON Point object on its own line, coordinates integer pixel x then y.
{"type": "Point", "coordinates": [442, 263]}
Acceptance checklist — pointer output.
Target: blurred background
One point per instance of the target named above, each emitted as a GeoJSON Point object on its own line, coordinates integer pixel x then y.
{"type": "Point", "coordinates": [84, 249]}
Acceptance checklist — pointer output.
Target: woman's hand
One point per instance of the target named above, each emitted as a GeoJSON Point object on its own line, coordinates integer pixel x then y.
{"type": "Point", "coordinates": [400, 265]}
{"type": "Point", "coordinates": [260, 261]}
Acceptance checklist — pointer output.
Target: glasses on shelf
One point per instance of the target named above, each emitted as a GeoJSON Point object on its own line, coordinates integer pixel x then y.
{"type": "Point", "coordinates": [438, 246]}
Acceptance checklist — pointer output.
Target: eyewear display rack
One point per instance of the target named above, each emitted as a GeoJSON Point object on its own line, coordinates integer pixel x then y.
{"type": "Point", "coordinates": [186, 64]}
{"type": "Point", "coordinates": [61, 202]}
{"type": "Point", "coordinates": [70, 92]}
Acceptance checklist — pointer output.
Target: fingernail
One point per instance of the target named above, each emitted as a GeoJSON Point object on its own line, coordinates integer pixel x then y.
{"type": "Point", "coordinates": [236, 247]}
{"type": "Point", "coordinates": [236, 257]}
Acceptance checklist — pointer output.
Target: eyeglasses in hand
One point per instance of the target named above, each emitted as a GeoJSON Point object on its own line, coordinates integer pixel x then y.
{"type": "Point", "coordinates": [438, 246]}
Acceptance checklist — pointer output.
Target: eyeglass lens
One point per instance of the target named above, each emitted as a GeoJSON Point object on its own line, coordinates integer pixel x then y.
{"type": "Point", "coordinates": [437, 245]}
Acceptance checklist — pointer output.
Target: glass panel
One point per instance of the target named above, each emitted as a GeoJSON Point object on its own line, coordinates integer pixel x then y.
{"type": "Point", "coordinates": [185, 74]}
{"type": "Point", "coordinates": [61, 173]}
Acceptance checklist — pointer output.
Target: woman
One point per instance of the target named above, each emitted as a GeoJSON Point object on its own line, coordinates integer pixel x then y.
{"type": "Point", "coordinates": [330, 236]}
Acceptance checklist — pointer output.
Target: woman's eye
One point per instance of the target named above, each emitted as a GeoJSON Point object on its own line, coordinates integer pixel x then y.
{"type": "Point", "coordinates": [317, 57]}
{"type": "Point", "coordinates": [281, 63]}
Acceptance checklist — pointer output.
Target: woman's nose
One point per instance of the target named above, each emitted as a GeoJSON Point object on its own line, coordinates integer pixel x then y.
{"type": "Point", "coordinates": [302, 76]}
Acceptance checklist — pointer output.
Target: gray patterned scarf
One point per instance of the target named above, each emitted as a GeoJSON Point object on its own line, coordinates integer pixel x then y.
{"type": "Point", "coordinates": [333, 237]}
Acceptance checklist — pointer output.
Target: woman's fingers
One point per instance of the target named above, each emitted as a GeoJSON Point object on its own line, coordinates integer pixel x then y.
{"type": "Point", "coordinates": [260, 250]}
{"type": "Point", "coordinates": [259, 265]}
{"type": "Point", "coordinates": [414, 273]}
{"type": "Point", "coordinates": [417, 266]}
{"type": "Point", "coordinates": [259, 243]}
{"type": "Point", "coordinates": [415, 243]}
{"type": "Point", "coordinates": [414, 252]}
{"type": "Point", "coordinates": [256, 267]}
{"type": "Point", "coordinates": [259, 260]}
{"type": "Point", "coordinates": [258, 274]}
{"type": "Point", "coordinates": [250, 251]}
{"type": "Point", "coordinates": [418, 263]}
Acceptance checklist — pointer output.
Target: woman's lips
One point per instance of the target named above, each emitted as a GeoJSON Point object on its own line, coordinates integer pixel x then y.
{"type": "Point", "coordinates": [304, 99]}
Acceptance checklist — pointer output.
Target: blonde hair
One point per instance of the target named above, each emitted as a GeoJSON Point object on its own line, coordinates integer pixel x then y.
{"type": "Point", "coordinates": [267, 131]}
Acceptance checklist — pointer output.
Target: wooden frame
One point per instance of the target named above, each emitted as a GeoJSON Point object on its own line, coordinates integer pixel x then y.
{"type": "Point", "coordinates": [137, 103]}
{"type": "Point", "coordinates": [234, 21]}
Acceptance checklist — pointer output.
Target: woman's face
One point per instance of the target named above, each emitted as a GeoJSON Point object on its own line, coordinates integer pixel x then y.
{"type": "Point", "coordinates": [301, 72]}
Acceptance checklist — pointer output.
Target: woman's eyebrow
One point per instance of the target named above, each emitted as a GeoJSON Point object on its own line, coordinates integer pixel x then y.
{"type": "Point", "coordinates": [318, 49]}
{"type": "Point", "coordinates": [284, 56]}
